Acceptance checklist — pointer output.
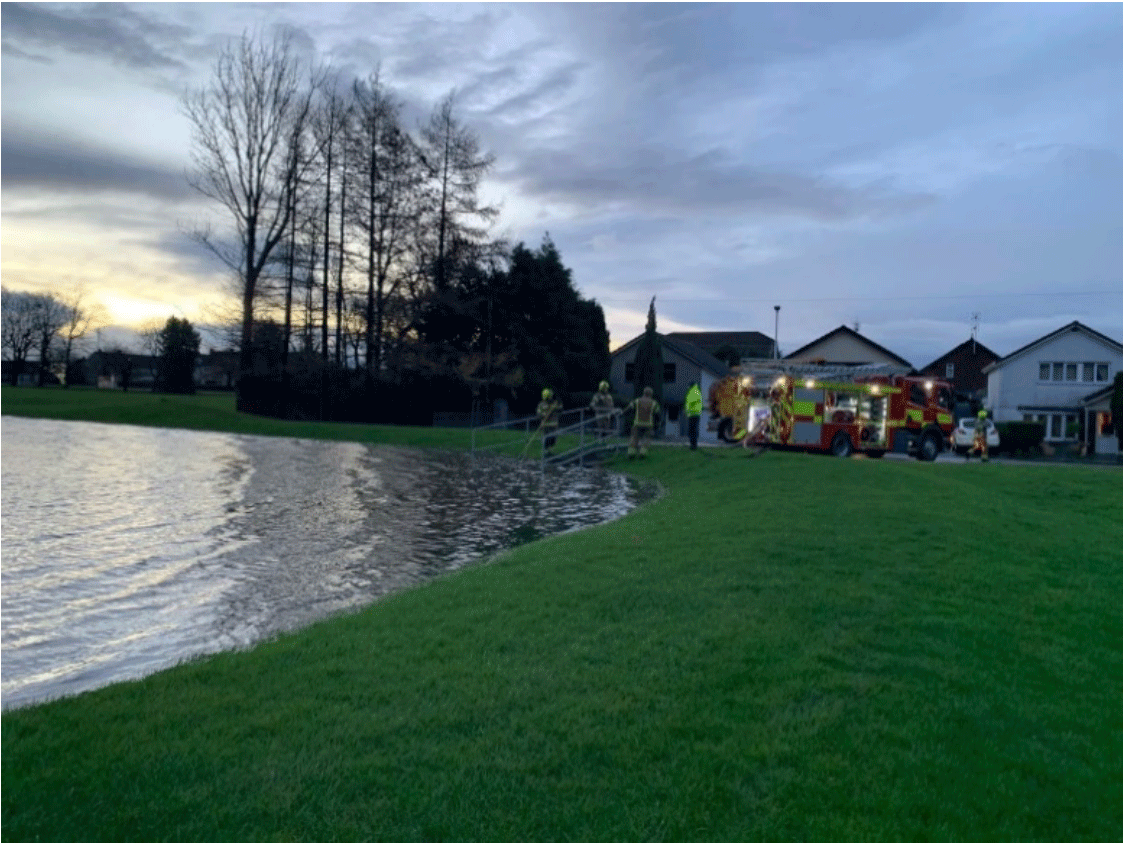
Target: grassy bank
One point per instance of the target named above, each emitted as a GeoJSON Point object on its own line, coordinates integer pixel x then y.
{"type": "Point", "coordinates": [787, 648]}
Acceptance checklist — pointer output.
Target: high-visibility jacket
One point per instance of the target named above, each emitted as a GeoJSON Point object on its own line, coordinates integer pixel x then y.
{"type": "Point", "coordinates": [646, 410]}
{"type": "Point", "coordinates": [548, 410]}
{"type": "Point", "coordinates": [602, 404]}
{"type": "Point", "coordinates": [693, 401]}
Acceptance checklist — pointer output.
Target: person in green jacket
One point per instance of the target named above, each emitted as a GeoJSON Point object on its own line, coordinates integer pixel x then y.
{"type": "Point", "coordinates": [693, 403]}
{"type": "Point", "coordinates": [647, 410]}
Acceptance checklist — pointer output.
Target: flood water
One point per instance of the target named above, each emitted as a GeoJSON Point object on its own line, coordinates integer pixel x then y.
{"type": "Point", "coordinates": [126, 550]}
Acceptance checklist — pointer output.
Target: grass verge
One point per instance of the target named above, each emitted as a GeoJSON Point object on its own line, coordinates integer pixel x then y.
{"type": "Point", "coordinates": [787, 648]}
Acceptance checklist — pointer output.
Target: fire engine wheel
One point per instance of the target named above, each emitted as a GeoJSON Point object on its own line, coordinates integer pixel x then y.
{"type": "Point", "coordinates": [930, 448]}
{"type": "Point", "coordinates": [841, 445]}
{"type": "Point", "coordinates": [725, 428]}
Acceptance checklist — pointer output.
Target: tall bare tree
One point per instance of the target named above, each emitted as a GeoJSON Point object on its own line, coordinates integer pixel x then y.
{"type": "Point", "coordinates": [330, 122]}
{"type": "Point", "coordinates": [390, 181]}
{"type": "Point", "coordinates": [242, 125]}
{"type": "Point", "coordinates": [18, 328]}
{"type": "Point", "coordinates": [81, 316]}
{"type": "Point", "coordinates": [48, 316]}
{"type": "Point", "coordinates": [455, 164]}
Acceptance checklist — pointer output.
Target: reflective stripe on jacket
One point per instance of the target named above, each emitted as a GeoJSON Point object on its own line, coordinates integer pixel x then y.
{"type": "Point", "coordinates": [646, 410]}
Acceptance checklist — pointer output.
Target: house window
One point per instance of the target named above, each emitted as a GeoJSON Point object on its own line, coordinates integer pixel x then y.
{"type": "Point", "coordinates": [1104, 424]}
{"type": "Point", "coordinates": [1071, 372]}
{"type": "Point", "coordinates": [1056, 426]}
{"type": "Point", "coordinates": [1087, 372]}
{"type": "Point", "coordinates": [668, 373]}
{"type": "Point", "coordinates": [1043, 372]}
{"type": "Point", "coordinates": [629, 372]}
{"type": "Point", "coordinates": [1102, 371]}
{"type": "Point", "coordinates": [949, 370]}
{"type": "Point", "coordinates": [1058, 369]}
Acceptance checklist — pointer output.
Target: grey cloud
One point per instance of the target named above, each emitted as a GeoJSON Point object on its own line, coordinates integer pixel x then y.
{"type": "Point", "coordinates": [660, 181]}
{"type": "Point", "coordinates": [10, 49]}
{"type": "Point", "coordinates": [546, 90]}
{"type": "Point", "coordinates": [35, 160]}
{"type": "Point", "coordinates": [114, 31]}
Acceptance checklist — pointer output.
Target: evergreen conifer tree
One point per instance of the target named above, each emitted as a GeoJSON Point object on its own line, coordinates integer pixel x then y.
{"type": "Point", "coordinates": [648, 363]}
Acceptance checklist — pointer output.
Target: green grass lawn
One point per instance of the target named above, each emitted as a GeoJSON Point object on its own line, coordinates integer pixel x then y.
{"type": "Point", "coordinates": [792, 647]}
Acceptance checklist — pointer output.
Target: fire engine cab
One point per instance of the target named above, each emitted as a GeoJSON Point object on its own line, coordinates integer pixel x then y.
{"type": "Point", "coordinates": [835, 409]}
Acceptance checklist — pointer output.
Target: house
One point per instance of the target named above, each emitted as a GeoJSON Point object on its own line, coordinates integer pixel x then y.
{"type": "Point", "coordinates": [117, 369]}
{"type": "Point", "coordinates": [217, 370]}
{"type": "Point", "coordinates": [849, 348]}
{"type": "Point", "coordinates": [683, 365]}
{"type": "Point", "coordinates": [728, 345]}
{"type": "Point", "coordinates": [1063, 380]}
{"type": "Point", "coordinates": [963, 367]}
{"type": "Point", "coordinates": [28, 376]}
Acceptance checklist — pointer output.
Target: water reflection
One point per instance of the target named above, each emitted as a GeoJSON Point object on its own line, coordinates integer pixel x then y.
{"type": "Point", "coordinates": [127, 549]}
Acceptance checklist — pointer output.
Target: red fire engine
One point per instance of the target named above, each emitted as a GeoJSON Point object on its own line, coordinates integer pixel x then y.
{"type": "Point", "coordinates": [836, 409]}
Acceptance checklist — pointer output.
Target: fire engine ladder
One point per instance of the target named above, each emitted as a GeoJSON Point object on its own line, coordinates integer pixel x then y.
{"type": "Point", "coordinates": [818, 371]}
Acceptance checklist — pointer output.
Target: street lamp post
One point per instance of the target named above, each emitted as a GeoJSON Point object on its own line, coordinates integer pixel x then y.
{"type": "Point", "coordinates": [776, 328]}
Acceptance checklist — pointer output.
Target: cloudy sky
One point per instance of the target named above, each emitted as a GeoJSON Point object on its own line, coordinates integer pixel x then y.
{"type": "Point", "coordinates": [898, 167]}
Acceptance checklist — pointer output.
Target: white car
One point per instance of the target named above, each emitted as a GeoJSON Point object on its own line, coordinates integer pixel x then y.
{"type": "Point", "coordinates": [964, 435]}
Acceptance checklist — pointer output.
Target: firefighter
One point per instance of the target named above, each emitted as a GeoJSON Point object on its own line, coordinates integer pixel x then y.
{"type": "Point", "coordinates": [603, 407]}
{"type": "Point", "coordinates": [647, 409]}
{"type": "Point", "coordinates": [548, 418]}
{"type": "Point", "coordinates": [980, 443]}
{"type": "Point", "coordinates": [693, 404]}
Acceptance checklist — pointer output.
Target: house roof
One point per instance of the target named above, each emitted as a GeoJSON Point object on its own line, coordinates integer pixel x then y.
{"type": "Point", "coordinates": [848, 332]}
{"type": "Point", "coordinates": [686, 350]}
{"type": "Point", "coordinates": [1073, 326]}
{"type": "Point", "coordinates": [1099, 395]}
{"type": "Point", "coordinates": [981, 349]}
{"type": "Point", "coordinates": [743, 341]}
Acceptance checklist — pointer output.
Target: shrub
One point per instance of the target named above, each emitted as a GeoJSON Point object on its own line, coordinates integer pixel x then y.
{"type": "Point", "coordinates": [1015, 437]}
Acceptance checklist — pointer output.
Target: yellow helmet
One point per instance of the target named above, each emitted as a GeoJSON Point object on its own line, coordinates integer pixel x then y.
{"type": "Point", "coordinates": [546, 393]}
{"type": "Point", "coordinates": [982, 414]}
{"type": "Point", "coordinates": [604, 385]}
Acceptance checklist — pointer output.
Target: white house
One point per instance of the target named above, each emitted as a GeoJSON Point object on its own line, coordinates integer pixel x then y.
{"type": "Point", "coordinates": [1057, 379]}
{"type": "Point", "coordinates": [848, 347]}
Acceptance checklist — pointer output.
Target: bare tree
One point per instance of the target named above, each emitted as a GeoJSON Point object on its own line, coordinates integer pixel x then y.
{"type": "Point", "coordinates": [242, 125]}
{"type": "Point", "coordinates": [150, 342]}
{"type": "Point", "coordinates": [451, 153]}
{"type": "Point", "coordinates": [18, 331]}
{"type": "Point", "coordinates": [330, 122]}
{"type": "Point", "coordinates": [81, 317]}
{"type": "Point", "coordinates": [48, 316]}
{"type": "Point", "coordinates": [391, 181]}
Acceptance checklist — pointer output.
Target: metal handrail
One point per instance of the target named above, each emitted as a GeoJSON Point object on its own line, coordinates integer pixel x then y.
{"type": "Point", "coordinates": [580, 426]}
{"type": "Point", "coordinates": [586, 417]}
{"type": "Point", "coordinates": [525, 422]}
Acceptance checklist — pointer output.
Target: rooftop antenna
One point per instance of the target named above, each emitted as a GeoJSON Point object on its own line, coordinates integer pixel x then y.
{"type": "Point", "coordinates": [975, 328]}
{"type": "Point", "coordinates": [857, 325]}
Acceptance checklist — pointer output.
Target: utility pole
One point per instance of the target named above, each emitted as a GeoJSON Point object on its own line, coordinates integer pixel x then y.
{"type": "Point", "coordinates": [776, 330]}
{"type": "Point", "coordinates": [975, 328]}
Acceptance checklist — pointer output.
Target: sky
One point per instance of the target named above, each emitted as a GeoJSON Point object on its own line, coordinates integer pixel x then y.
{"type": "Point", "coordinates": [904, 169]}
